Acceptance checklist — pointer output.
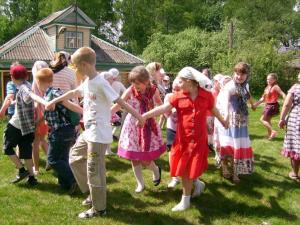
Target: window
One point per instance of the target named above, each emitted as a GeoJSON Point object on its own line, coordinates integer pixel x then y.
{"type": "Point", "coordinates": [70, 39]}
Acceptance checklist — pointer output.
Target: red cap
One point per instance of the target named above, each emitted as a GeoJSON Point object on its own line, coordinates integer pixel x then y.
{"type": "Point", "coordinates": [18, 72]}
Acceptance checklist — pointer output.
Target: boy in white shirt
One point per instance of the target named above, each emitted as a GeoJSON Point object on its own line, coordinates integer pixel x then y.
{"type": "Point", "coordinates": [87, 155]}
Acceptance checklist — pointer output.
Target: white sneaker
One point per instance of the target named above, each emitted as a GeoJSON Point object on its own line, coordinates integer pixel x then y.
{"type": "Point", "coordinates": [198, 189]}
{"type": "Point", "coordinates": [173, 182]}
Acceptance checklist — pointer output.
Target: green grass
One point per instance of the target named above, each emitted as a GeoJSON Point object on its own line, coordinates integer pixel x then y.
{"type": "Point", "coordinates": [265, 197]}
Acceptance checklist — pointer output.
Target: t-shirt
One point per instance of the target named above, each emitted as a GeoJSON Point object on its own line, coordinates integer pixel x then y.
{"type": "Point", "coordinates": [118, 87]}
{"type": "Point", "coordinates": [11, 89]}
{"type": "Point", "coordinates": [98, 96]}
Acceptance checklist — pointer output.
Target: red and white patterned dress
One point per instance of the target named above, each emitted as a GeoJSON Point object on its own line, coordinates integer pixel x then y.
{"type": "Point", "coordinates": [143, 144]}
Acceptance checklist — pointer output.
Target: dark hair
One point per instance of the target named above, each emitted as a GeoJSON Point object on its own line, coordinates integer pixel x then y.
{"type": "Point", "coordinates": [59, 62]}
{"type": "Point", "coordinates": [140, 74]}
{"type": "Point", "coordinates": [18, 72]}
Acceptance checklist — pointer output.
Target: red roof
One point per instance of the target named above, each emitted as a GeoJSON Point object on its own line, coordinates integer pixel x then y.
{"type": "Point", "coordinates": [34, 44]}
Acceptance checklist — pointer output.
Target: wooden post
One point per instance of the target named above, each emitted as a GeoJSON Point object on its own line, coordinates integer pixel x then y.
{"type": "Point", "coordinates": [230, 36]}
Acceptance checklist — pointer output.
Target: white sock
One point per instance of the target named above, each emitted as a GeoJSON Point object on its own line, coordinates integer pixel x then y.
{"type": "Point", "coordinates": [137, 170]}
{"type": "Point", "coordinates": [183, 204]}
{"type": "Point", "coordinates": [198, 188]}
{"type": "Point", "coordinates": [152, 166]}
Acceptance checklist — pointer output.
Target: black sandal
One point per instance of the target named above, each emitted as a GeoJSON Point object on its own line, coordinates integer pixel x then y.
{"type": "Point", "coordinates": [157, 182]}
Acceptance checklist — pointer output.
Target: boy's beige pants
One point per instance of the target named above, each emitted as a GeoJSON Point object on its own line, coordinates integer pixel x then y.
{"type": "Point", "coordinates": [88, 166]}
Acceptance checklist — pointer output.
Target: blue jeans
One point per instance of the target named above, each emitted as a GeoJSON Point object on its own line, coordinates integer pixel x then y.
{"type": "Point", "coordinates": [60, 142]}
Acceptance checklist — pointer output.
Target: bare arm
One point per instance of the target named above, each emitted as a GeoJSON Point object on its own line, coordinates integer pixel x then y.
{"type": "Point", "coordinates": [116, 107]}
{"type": "Point", "coordinates": [38, 99]}
{"type": "Point", "coordinates": [131, 110]}
{"type": "Point", "coordinates": [68, 95]}
{"type": "Point", "coordinates": [72, 106]}
{"type": "Point", "coordinates": [158, 111]}
{"type": "Point", "coordinates": [251, 101]}
{"type": "Point", "coordinates": [283, 95]}
{"type": "Point", "coordinates": [287, 105]}
{"type": "Point", "coordinates": [7, 102]}
{"type": "Point", "coordinates": [217, 114]}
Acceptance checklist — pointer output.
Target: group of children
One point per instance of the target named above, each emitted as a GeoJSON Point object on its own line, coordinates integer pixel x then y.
{"type": "Point", "coordinates": [81, 162]}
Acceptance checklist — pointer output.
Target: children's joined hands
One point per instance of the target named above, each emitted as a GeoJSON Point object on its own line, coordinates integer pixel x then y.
{"type": "Point", "coordinates": [50, 106]}
{"type": "Point", "coordinates": [281, 124]}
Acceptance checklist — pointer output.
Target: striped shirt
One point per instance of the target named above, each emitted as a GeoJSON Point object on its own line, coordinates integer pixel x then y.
{"type": "Point", "coordinates": [65, 80]}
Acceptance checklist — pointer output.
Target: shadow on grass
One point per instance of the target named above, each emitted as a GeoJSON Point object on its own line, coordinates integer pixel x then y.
{"type": "Point", "coordinates": [134, 210]}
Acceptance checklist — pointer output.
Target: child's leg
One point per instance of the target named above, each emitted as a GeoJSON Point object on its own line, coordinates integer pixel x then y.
{"type": "Point", "coordinates": [78, 163]}
{"type": "Point", "coordinates": [175, 180]}
{"type": "Point", "coordinates": [60, 142]}
{"type": "Point", "coordinates": [12, 137]}
{"type": "Point", "coordinates": [225, 170]}
{"type": "Point", "coordinates": [156, 171]}
{"type": "Point", "coordinates": [44, 144]}
{"type": "Point", "coordinates": [198, 187]}
{"type": "Point", "coordinates": [186, 195]}
{"type": "Point", "coordinates": [36, 151]}
{"type": "Point", "coordinates": [295, 166]}
{"type": "Point", "coordinates": [235, 177]}
{"type": "Point", "coordinates": [25, 147]}
{"type": "Point", "coordinates": [137, 170]}
{"type": "Point", "coordinates": [266, 121]}
{"type": "Point", "coordinates": [96, 174]}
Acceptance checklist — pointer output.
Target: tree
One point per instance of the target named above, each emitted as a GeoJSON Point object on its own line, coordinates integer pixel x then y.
{"type": "Point", "coordinates": [266, 19]}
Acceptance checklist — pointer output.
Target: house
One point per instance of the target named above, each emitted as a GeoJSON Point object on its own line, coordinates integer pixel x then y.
{"type": "Point", "coordinates": [66, 30]}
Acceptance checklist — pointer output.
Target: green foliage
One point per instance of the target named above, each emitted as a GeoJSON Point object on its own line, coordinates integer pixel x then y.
{"type": "Point", "coordinates": [265, 20]}
{"type": "Point", "coordinates": [198, 48]}
{"type": "Point", "coordinates": [263, 59]}
{"type": "Point", "coordinates": [193, 47]}
{"type": "Point", "coordinates": [142, 18]}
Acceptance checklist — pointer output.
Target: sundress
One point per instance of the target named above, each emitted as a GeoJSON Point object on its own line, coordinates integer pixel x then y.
{"type": "Point", "coordinates": [144, 144]}
{"type": "Point", "coordinates": [291, 145]}
{"type": "Point", "coordinates": [234, 142]}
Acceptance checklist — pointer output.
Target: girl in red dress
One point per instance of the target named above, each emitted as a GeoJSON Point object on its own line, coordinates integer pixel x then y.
{"type": "Point", "coordinates": [189, 151]}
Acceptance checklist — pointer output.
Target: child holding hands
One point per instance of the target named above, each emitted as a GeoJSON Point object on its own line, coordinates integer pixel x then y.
{"type": "Point", "coordinates": [87, 155]}
{"type": "Point", "coordinates": [189, 152]}
{"type": "Point", "coordinates": [270, 97]}
{"type": "Point", "coordinates": [141, 145]}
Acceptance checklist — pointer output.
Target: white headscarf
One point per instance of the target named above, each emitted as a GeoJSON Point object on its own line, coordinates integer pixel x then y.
{"type": "Point", "coordinates": [193, 74]}
{"type": "Point", "coordinates": [115, 72]}
{"type": "Point", "coordinates": [37, 66]}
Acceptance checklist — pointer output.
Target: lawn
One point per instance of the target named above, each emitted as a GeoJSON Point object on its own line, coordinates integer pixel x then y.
{"type": "Point", "coordinates": [267, 196]}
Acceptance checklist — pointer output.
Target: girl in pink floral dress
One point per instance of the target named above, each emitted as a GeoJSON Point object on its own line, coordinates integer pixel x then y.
{"type": "Point", "coordinates": [141, 145]}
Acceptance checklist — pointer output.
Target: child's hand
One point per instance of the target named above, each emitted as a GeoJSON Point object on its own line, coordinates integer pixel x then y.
{"type": "Point", "coordinates": [141, 121]}
{"type": "Point", "coordinates": [50, 106]}
{"type": "Point", "coordinates": [281, 124]}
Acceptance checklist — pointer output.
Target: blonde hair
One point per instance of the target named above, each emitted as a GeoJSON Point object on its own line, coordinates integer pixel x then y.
{"type": "Point", "coordinates": [44, 75]}
{"type": "Point", "coordinates": [274, 76]}
{"type": "Point", "coordinates": [84, 54]}
{"type": "Point", "coordinates": [152, 68]}
{"type": "Point", "coordinates": [140, 74]}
